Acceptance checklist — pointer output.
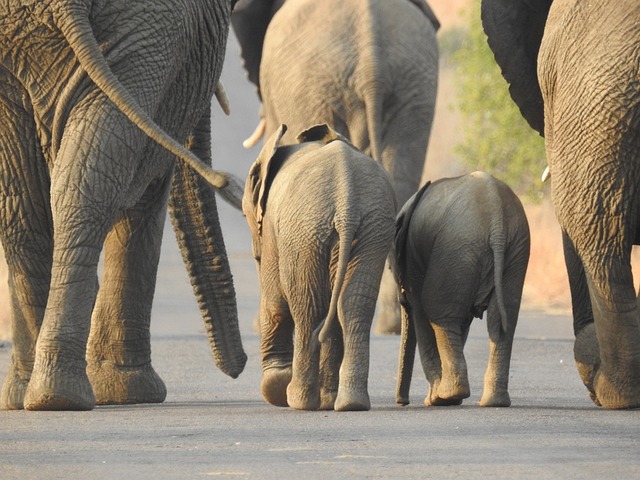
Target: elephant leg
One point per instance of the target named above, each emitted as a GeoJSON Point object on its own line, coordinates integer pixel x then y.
{"type": "Point", "coordinates": [276, 338]}
{"type": "Point", "coordinates": [403, 156]}
{"type": "Point", "coordinates": [454, 384]}
{"type": "Point", "coordinates": [331, 355]}
{"type": "Point", "coordinates": [97, 161]}
{"type": "Point", "coordinates": [119, 350]}
{"type": "Point", "coordinates": [26, 234]}
{"type": "Point", "coordinates": [585, 350]}
{"type": "Point", "coordinates": [356, 308]}
{"type": "Point", "coordinates": [495, 392]}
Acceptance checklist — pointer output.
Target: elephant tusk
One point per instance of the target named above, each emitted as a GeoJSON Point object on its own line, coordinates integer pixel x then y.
{"type": "Point", "coordinates": [256, 135]}
{"type": "Point", "coordinates": [546, 174]}
{"type": "Point", "coordinates": [221, 96]}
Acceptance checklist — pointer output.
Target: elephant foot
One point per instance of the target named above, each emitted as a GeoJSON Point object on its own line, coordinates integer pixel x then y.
{"type": "Point", "coordinates": [586, 353]}
{"type": "Point", "coordinates": [302, 396]}
{"type": "Point", "coordinates": [617, 391]}
{"type": "Point", "coordinates": [327, 399]}
{"type": "Point", "coordinates": [444, 394]}
{"type": "Point", "coordinates": [495, 399]}
{"type": "Point", "coordinates": [13, 390]}
{"type": "Point", "coordinates": [59, 389]}
{"type": "Point", "coordinates": [352, 400]}
{"type": "Point", "coordinates": [274, 385]}
{"type": "Point", "coordinates": [119, 385]}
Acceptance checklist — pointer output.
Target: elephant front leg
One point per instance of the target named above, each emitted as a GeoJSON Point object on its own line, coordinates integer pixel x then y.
{"type": "Point", "coordinates": [331, 354]}
{"type": "Point", "coordinates": [26, 231]}
{"type": "Point", "coordinates": [119, 350]}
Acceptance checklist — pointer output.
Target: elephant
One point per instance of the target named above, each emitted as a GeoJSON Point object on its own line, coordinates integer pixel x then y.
{"type": "Point", "coordinates": [573, 69]}
{"type": "Point", "coordinates": [321, 216]}
{"type": "Point", "coordinates": [461, 248]}
{"type": "Point", "coordinates": [367, 68]}
{"type": "Point", "coordinates": [97, 99]}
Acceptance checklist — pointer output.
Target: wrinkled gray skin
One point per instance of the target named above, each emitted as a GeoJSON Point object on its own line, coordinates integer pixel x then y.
{"type": "Point", "coordinates": [574, 74]}
{"type": "Point", "coordinates": [461, 248]}
{"type": "Point", "coordinates": [321, 216]}
{"type": "Point", "coordinates": [367, 68]}
{"type": "Point", "coordinates": [77, 175]}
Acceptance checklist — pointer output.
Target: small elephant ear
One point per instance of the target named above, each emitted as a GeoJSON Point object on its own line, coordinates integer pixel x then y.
{"type": "Point", "coordinates": [249, 20]}
{"type": "Point", "coordinates": [426, 9]}
{"type": "Point", "coordinates": [402, 228]}
{"type": "Point", "coordinates": [259, 174]}
{"type": "Point", "coordinates": [514, 31]}
{"type": "Point", "coordinates": [320, 133]}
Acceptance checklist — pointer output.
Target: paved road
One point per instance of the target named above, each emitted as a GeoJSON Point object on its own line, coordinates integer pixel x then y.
{"type": "Point", "coordinates": [211, 425]}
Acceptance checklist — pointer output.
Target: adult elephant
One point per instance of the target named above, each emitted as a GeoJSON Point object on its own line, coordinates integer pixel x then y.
{"type": "Point", "coordinates": [367, 68]}
{"type": "Point", "coordinates": [574, 70]}
{"type": "Point", "coordinates": [96, 98]}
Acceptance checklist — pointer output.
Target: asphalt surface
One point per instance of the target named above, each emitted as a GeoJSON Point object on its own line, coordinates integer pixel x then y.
{"type": "Point", "coordinates": [212, 425]}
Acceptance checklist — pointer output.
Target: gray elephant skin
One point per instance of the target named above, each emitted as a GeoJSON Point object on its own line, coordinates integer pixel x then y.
{"type": "Point", "coordinates": [367, 68]}
{"type": "Point", "coordinates": [321, 216]}
{"type": "Point", "coordinates": [461, 248]}
{"type": "Point", "coordinates": [96, 98]}
{"type": "Point", "coordinates": [573, 69]}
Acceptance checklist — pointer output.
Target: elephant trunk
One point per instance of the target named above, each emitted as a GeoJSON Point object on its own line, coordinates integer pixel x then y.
{"type": "Point", "coordinates": [406, 359]}
{"type": "Point", "coordinates": [195, 220]}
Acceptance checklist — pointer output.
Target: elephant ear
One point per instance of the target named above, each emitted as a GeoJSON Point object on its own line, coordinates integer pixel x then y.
{"type": "Point", "coordinates": [321, 133]}
{"type": "Point", "coordinates": [426, 9]}
{"type": "Point", "coordinates": [402, 230]}
{"type": "Point", "coordinates": [514, 31]}
{"type": "Point", "coordinates": [261, 176]}
{"type": "Point", "coordinates": [249, 20]}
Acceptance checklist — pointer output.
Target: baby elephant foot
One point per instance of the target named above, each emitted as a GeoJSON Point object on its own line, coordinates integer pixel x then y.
{"type": "Point", "coordinates": [327, 399]}
{"type": "Point", "coordinates": [445, 394]}
{"type": "Point", "coordinates": [13, 390]}
{"type": "Point", "coordinates": [495, 399]}
{"type": "Point", "coordinates": [56, 388]}
{"type": "Point", "coordinates": [118, 385]}
{"type": "Point", "coordinates": [274, 385]}
{"type": "Point", "coordinates": [352, 399]}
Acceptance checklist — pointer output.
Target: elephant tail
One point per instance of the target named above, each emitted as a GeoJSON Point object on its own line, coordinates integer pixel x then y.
{"type": "Point", "coordinates": [344, 253]}
{"type": "Point", "coordinates": [497, 242]}
{"type": "Point", "coordinates": [406, 357]}
{"type": "Point", "coordinates": [73, 21]}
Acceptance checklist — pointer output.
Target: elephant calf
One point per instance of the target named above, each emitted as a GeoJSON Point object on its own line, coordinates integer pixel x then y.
{"type": "Point", "coordinates": [461, 248]}
{"type": "Point", "coordinates": [321, 214]}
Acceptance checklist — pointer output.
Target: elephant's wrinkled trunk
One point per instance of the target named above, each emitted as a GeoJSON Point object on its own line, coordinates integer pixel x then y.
{"type": "Point", "coordinates": [195, 220]}
{"type": "Point", "coordinates": [406, 359]}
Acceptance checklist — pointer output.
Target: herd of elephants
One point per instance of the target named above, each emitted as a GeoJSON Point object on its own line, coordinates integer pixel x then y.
{"type": "Point", "coordinates": [105, 124]}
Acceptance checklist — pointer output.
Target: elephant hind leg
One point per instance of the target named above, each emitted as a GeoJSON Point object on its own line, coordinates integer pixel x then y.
{"type": "Point", "coordinates": [454, 384]}
{"type": "Point", "coordinates": [118, 350]}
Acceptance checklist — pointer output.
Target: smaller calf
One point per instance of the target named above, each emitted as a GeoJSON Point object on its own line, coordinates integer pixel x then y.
{"type": "Point", "coordinates": [461, 248]}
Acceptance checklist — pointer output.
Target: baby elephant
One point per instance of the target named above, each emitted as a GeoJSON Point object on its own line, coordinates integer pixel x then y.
{"type": "Point", "coordinates": [321, 214]}
{"type": "Point", "coordinates": [461, 248]}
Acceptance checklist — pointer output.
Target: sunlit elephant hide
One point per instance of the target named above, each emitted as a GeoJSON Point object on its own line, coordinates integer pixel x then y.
{"type": "Point", "coordinates": [96, 100]}
{"type": "Point", "coordinates": [321, 217]}
{"type": "Point", "coordinates": [574, 69]}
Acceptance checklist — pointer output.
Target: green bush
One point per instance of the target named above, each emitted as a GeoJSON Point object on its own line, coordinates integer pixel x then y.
{"type": "Point", "coordinates": [496, 138]}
